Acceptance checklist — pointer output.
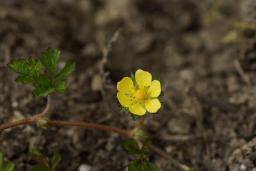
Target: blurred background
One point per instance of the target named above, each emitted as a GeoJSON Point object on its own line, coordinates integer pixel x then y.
{"type": "Point", "coordinates": [203, 51]}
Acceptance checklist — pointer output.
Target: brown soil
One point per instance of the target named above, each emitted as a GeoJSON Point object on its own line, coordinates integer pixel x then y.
{"type": "Point", "coordinates": [208, 116]}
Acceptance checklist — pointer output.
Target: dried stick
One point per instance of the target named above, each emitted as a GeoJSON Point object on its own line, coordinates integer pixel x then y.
{"type": "Point", "coordinates": [167, 157]}
{"type": "Point", "coordinates": [241, 72]}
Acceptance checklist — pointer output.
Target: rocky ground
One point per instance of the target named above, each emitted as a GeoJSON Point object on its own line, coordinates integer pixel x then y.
{"type": "Point", "coordinates": [204, 53]}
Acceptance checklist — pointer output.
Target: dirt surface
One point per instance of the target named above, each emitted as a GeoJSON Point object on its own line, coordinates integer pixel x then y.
{"type": "Point", "coordinates": [208, 116]}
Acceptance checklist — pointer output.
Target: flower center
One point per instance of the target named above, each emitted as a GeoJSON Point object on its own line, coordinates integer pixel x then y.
{"type": "Point", "coordinates": [139, 94]}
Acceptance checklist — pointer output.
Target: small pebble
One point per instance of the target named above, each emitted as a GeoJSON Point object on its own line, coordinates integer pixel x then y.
{"type": "Point", "coordinates": [84, 167]}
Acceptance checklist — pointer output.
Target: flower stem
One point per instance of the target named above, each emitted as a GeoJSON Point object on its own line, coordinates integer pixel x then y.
{"type": "Point", "coordinates": [140, 123]}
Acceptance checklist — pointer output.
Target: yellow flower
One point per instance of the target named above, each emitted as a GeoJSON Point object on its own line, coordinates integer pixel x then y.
{"type": "Point", "coordinates": [140, 95]}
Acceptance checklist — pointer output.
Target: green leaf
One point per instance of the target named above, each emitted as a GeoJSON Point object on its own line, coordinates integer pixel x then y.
{"type": "Point", "coordinates": [39, 157]}
{"type": "Point", "coordinates": [145, 149]}
{"type": "Point", "coordinates": [66, 70]}
{"type": "Point", "coordinates": [18, 65]}
{"type": "Point", "coordinates": [40, 167]}
{"type": "Point", "coordinates": [124, 109]}
{"type": "Point", "coordinates": [60, 86]}
{"type": "Point", "coordinates": [29, 69]}
{"type": "Point", "coordinates": [43, 87]}
{"type": "Point", "coordinates": [141, 165]}
{"type": "Point", "coordinates": [43, 73]}
{"type": "Point", "coordinates": [131, 146]}
{"type": "Point", "coordinates": [5, 166]}
{"type": "Point", "coordinates": [148, 166]}
{"type": "Point", "coordinates": [135, 117]}
{"type": "Point", "coordinates": [50, 59]}
{"type": "Point", "coordinates": [133, 79]}
{"type": "Point", "coordinates": [134, 166]}
{"type": "Point", "coordinates": [24, 79]}
{"type": "Point", "coordinates": [1, 160]}
{"type": "Point", "coordinates": [36, 152]}
{"type": "Point", "coordinates": [56, 158]}
{"type": "Point", "coordinates": [8, 166]}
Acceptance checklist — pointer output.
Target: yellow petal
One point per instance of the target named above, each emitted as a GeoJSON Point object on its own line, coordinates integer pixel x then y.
{"type": "Point", "coordinates": [155, 89]}
{"type": "Point", "coordinates": [152, 105]}
{"type": "Point", "coordinates": [137, 109]}
{"type": "Point", "coordinates": [123, 99]}
{"type": "Point", "coordinates": [125, 85]}
{"type": "Point", "coordinates": [143, 78]}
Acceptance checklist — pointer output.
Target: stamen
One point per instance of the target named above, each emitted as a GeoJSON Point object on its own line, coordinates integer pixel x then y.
{"type": "Point", "coordinates": [139, 94]}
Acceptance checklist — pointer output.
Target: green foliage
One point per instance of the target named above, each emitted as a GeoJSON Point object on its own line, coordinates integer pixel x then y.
{"type": "Point", "coordinates": [135, 117]}
{"type": "Point", "coordinates": [1, 160]}
{"type": "Point", "coordinates": [43, 72]}
{"type": "Point", "coordinates": [66, 71]}
{"type": "Point", "coordinates": [43, 86]}
{"type": "Point", "coordinates": [55, 160]}
{"type": "Point", "coordinates": [131, 147]}
{"type": "Point", "coordinates": [50, 60]}
{"type": "Point", "coordinates": [5, 166]}
{"type": "Point", "coordinates": [124, 109]}
{"type": "Point", "coordinates": [43, 162]}
{"type": "Point", "coordinates": [140, 160]}
{"type": "Point", "coordinates": [133, 79]}
{"type": "Point", "coordinates": [39, 167]}
{"type": "Point", "coordinates": [28, 69]}
{"type": "Point", "coordinates": [142, 165]}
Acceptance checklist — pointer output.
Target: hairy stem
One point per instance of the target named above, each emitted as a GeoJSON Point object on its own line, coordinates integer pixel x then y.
{"type": "Point", "coordinates": [101, 127]}
{"type": "Point", "coordinates": [16, 124]}
{"type": "Point", "coordinates": [86, 125]}
{"type": "Point", "coordinates": [80, 124]}
{"type": "Point", "coordinates": [125, 133]}
{"type": "Point", "coordinates": [140, 123]}
{"type": "Point", "coordinates": [45, 111]}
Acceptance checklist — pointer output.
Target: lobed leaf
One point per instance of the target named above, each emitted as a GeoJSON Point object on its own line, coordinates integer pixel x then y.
{"type": "Point", "coordinates": [8, 166]}
{"type": "Point", "coordinates": [43, 73]}
{"type": "Point", "coordinates": [43, 87]}
{"type": "Point", "coordinates": [60, 86]}
{"type": "Point", "coordinates": [1, 160]}
{"type": "Point", "coordinates": [50, 59]}
{"type": "Point", "coordinates": [141, 165]}
{"type": "Point", "coordinates": [24, 79]}
{"type": "Point", "coordinates": [40, 167]}
{"type": "Point", "coordinates": [29, 69]}
{"type": "Point", "coordinates": [39, 157]}
{"type": "Point", "coordinates": [134, 166]}
{"type": "Point", "coordinates": [148, 166]}
{"type": "Point", "coordinates": [55, 160]}
{"type": "Point", "coordinates": [131, 147]}
{"type": "Point", "coordinates": [66, 70]}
